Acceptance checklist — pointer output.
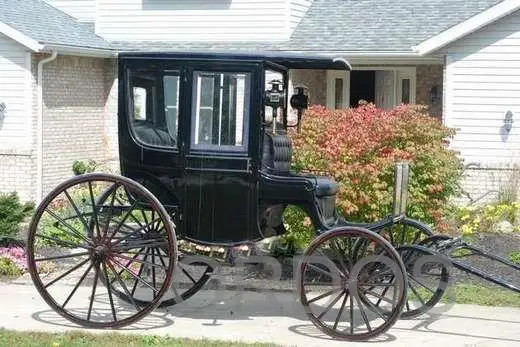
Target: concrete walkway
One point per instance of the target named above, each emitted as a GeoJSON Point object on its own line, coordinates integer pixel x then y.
{"type": "Point", "coordinates": [274, 317]}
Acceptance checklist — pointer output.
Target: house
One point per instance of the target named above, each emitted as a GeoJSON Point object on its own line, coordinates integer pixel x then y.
{"type": "Point", "coordinates": [58, 78]}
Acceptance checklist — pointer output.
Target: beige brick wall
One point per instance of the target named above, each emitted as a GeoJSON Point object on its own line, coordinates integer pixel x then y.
{"type": "Point", "coordinates": [429, 76]}
{"type": "Point", "coordinates": [78, 115]}
{"type": "Point", "coordinates": [315, 81]}
{"type": "Point", "coordinates": [483, 184]}
{"type": "Point", "coordinates": [111, 93]}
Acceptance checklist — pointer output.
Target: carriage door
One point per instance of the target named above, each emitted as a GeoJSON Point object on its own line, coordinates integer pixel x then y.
{"type": "Point", "coordinates": [220, 195]}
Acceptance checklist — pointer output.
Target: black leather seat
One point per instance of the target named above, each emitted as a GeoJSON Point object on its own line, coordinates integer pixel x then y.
{"type": "Point", "coordinates": [276, 159]}
{"type": "Point", "coordinates": [151, 135]}
{"type": "Point", "coordinates": [325, 186]}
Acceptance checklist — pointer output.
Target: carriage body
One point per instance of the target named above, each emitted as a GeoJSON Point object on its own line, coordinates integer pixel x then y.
{"type": "Point", "coordinates": [203, 142]}
{"type": "Point", "coordinates": [192, 130]}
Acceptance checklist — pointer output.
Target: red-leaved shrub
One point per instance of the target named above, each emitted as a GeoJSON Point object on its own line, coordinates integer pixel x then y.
{"type": "Point", "coordinates": [359, 148]}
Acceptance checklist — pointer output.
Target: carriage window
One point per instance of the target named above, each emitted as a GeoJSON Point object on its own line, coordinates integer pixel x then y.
{"type": "Point", "coordinates": [171, 103]}
{"type": "Point", "coordinates": [220, 110]}
{"type": "Point", "coordinates": [152, 123]}
{"type": "Point", "coordinates": [139, 103]}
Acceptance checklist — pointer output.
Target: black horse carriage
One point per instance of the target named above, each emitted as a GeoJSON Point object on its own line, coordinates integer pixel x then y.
{"type": "Point", "coordinates": [206, 159]}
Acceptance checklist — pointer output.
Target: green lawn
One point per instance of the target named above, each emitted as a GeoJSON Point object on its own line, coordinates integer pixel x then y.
{"type": "Point", "coordinates": [468, 293]}
{"type": "Point", "coordinates": [75, 339]}
{"type": "Point", "coordinates": [484, 295]}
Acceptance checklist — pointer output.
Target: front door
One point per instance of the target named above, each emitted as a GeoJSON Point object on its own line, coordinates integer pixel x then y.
{"type": "Point", "coordinates": [220, 195]}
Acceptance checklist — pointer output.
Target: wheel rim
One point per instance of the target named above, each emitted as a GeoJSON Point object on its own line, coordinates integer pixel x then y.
{"type": "Point", "coordinates": [428, 279]}
{"type": "Point", "coordinates": [98, 251]}
{"type": "Point", "coordinates": [407, 232]}
{"type": "Point", "coordinates": [335, 275]}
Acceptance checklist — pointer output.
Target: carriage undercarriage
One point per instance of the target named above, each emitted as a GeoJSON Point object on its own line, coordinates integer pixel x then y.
{"type": "Point", "coordinates": [120, 241]}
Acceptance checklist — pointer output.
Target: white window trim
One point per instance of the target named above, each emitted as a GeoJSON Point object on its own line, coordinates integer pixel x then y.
{"type": "Point", "coordinates": [196, 113]}
{"type": "Point", "coordinates": [406, 73]}
{"type": "Point", "coordinates": [332, 75]}
{"type": "Point", "coordinates": [399, 71]}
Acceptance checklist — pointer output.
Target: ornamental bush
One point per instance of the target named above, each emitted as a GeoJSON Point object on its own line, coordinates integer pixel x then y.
{"type": "Point", "coordinates": [12, 213]}
{"type": "Point", "coordinates": [13, 261]}
{"type": "Point", "coordinates": [359, 147]}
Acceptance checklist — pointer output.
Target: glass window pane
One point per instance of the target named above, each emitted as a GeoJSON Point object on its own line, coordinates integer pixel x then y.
{"type": "Point", "coordinates": [149, 122]}
{"type": "Point", "coordinates": [139, 103]}
{"type": "Point", "coordinates": [171, 90]}
{"type": "Point", "coordinates": [205, 134]}
{"type": "Point", "coordinates": [338, 94]}
{"type": "Point", "coordinates": [405, 91]}
{"type": "Point", "coordinates": [220, 110]}
{"type": "Point", "coordinates": [171, 103]}
{"type": "Point", "coordinates": [207, 86]}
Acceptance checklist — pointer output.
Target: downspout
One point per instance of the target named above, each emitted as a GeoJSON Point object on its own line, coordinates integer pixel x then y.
{"type": "Point", "coordinates": [39, 132]}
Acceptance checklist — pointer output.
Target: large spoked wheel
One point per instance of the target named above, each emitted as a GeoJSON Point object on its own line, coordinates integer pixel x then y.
{"type": "Point", "coordinates": [339, 284]}
{"type": "Point", "coordinates": [428, 278]}
{"type": "Point", "coordinates": [81, 253]}
{"type": "Point", "coordinates": [190, 273]}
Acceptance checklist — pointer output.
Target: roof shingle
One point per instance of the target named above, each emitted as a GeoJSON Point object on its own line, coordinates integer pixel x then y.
{"type": "Point", "coordinates": [379, 25]}
{"type": "Point", "coordinates": [48, 25]}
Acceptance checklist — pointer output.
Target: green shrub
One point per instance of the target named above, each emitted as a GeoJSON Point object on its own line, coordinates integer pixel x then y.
{"type": "Point", "coordinates": [8, 268]}
{"type": "Point", "coordinates": [80, 167]}
{"type": "Point", "coordinates": [13, 261]}
{"type": "Point", "coordinates": [63, 208]}
{"type": "Point", "coordinates": [360, 147]}
{"type": "Point", "coordinates": [515, 257]}
{"type": "Point", "coordinates": [12, 214]}
{"type": "Point", "coordinates": [475, 219]}
{"type": "Point", "coordinates": [299, 232]}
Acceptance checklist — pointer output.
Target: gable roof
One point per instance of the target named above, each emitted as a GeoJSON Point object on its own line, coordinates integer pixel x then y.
{"type": "Point", "coordinates": [474, 23]}
{"type": "Point", "coordinates": [44, 24]}
{"type": "Point", "coordinates": [379, 25]}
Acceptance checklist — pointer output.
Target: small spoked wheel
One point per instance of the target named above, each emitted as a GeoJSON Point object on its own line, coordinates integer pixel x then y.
{"type": "Point", "coordinates": [350, 292]}
{"type": "Point", "coordinates": [428, 278]}
{"type": "Point", "coordinates": [190, 273]}
{"type": "Point", "coordinates": [84, 251]}
{"type": "Point", "coordinates": [406, 231]}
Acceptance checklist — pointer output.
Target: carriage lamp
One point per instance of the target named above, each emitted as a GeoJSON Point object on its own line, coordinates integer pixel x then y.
{"type": "Point", "coordinates": [3, 110]}
{"type": "Point", "coordinates": [508, 121]}
{"type": "Point", "coordinates": [275, 98]}
{"type": "Point", "coordinates": [300, 102]}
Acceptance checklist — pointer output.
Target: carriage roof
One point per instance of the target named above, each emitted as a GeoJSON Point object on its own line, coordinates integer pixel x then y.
{"type": "Point", "coordinates": [287, 60]}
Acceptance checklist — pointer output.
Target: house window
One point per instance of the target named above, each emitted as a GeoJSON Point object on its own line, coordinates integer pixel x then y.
{"type": "Point", "coordinates": [220, 111]}
{"type": "Point", "coordinates": [338, 93]}
{"type": "Point", "coordinates": [405, 91]}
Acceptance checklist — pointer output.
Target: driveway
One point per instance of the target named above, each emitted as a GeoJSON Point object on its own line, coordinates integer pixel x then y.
{"type": "Point", "coordinates": [274, 317]}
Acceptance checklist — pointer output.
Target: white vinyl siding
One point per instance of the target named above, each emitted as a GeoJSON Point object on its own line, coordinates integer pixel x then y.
{"type": "Point", "coordinates": [298, 10]}
{"type": "Point", "coordinates": [83, 10]}
{"type": "Point", "coordinates": [15, 92]}
{"type": "Point", "coordinates": [482, 85]}
{"type": "Point", "coordinates": [192, 20]}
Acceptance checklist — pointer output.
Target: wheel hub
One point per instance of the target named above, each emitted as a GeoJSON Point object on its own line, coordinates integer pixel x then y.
{"type": "Point", "coordinates": [101, 252]}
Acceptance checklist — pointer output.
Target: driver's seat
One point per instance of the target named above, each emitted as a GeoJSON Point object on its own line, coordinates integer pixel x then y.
{"type": "Point", "coordinates": [276, 160]}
